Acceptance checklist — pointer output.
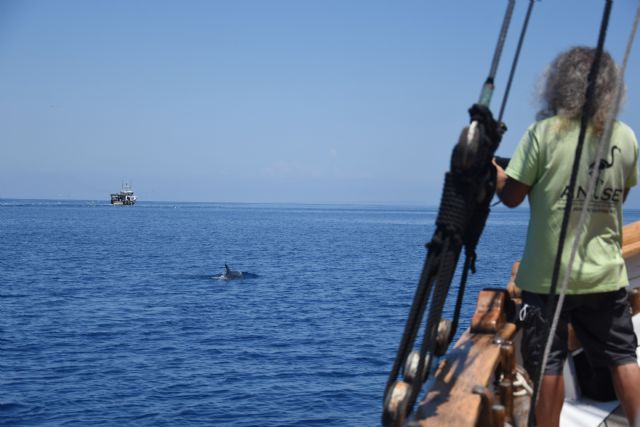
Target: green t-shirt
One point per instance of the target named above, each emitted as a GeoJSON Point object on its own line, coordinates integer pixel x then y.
{"type": "Point", "coordinates": [543, 160]}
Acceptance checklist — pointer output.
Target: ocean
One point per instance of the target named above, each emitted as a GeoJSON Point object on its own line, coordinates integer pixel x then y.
{"type": "Point", "coordinates": [115, 315]}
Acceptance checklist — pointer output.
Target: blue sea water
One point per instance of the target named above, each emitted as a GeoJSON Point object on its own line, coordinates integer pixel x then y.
{"type": "Point", "coordinates": [114, 316]}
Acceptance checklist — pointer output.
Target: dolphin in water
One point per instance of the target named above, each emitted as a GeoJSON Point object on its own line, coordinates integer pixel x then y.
{"type": "Point", "coordinates": [230, 274]}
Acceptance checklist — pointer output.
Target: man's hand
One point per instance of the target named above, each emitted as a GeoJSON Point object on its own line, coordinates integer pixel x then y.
{"type": "Point", "coordinates": [510, 191]}
{"type": "Point", "coordinates": [501, 178]}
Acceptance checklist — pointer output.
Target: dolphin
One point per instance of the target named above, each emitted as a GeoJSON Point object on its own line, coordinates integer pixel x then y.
{"type": "Point", "coordinates": [230, 274]}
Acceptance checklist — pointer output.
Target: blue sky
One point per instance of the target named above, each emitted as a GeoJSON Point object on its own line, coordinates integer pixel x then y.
{"type": "Point", "coordinates": [267, 100]}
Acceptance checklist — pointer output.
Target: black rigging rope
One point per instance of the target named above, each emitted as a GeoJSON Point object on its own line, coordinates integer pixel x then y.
{"type": "Point", "coordinates": [487, 89]}
{"type": "Point", "coordinates": [415, 314]}
{"type": "Point", "coordinates": [445, 274]}
{"type": "Point", "coordinates": [584, 122]}
{"type": "Point", "coordinates": [468, 265]}
{"type": "Point", "coordinates": [515, 60]}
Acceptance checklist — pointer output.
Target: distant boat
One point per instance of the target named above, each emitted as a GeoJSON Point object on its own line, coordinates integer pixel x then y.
{"type": "Point", "coordinates": [124, 197]}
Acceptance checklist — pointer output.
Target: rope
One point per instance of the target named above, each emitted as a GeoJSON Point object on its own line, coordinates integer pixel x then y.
{"type": "Point", "coordinates": [586, 116]}
{"type": "Point", "coordinates": [472, 237]}
{"type": "Point", "coordinates": [521, 382]}
{"type": "Point", "coordinates": [506, 21]}
{"type": "Point", "coordinates": [468, 265]}
{"type": "Point", "coordinates": [450, 259]}
{"type": "Point", "coordinates": [515, 60]}
{"type": "Point", "coordinates": [487, 88]}
{"type": "Point", "coordinates": [417, 310]}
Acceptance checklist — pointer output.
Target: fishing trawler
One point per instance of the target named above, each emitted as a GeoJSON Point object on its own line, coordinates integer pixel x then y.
{"type": "Point", "coordinates": [124, 197]}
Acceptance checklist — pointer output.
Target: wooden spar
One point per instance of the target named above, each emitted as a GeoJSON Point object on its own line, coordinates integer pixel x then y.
{"type": "Point", "coordinates": [472, 362]}
{"type": "Point", "coordinates": [631, 251]}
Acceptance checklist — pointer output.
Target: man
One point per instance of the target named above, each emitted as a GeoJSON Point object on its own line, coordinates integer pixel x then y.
{"type": "Point", "coordinates": [596, 302]}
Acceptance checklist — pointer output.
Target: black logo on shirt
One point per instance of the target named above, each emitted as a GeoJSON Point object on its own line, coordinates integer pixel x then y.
{"type": "Point", "coordinates": [604, 164]}
{"type": "Point", "coordinates": [603, 196]}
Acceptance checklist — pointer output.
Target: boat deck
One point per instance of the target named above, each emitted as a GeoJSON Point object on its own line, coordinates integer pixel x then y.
{"type": "Point", "coordinates": [617, 419]}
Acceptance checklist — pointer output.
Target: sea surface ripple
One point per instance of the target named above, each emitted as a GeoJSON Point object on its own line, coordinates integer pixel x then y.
{"type": "Point", "coordinates": [112, 316]}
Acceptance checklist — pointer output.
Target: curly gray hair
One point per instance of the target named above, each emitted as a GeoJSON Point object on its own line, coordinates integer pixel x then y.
{"type": "Point", "coordinates": [565, 85]}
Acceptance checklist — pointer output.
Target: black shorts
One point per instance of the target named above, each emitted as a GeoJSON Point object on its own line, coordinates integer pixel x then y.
{"type": "Point", "coordinates": [602, 323]}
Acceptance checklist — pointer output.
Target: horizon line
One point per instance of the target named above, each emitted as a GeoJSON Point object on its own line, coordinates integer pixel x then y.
{"type": "Point", "coordinates": [315, 203]}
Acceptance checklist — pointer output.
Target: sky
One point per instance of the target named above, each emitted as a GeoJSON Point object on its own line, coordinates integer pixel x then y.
{"type": "Point", "coordinates": [268, 101]}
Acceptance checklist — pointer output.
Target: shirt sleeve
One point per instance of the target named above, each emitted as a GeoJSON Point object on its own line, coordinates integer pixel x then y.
{"type": "Point", "coordinates": [523, 166]}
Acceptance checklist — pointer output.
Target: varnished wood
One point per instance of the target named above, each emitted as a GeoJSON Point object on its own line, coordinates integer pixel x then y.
{"type": "Point", "coordinates": [470, 362]}
{"type": "Point", "coordinates": [506, 398]}
{"type": "Point", "coordinates": [631, 249]}
{"type": "Point", "coordinates": [486, 406]}
{"type": "Point", "coordinates": [499, 415]}
{"type": "Point", "coordinates": [631, 252]}
{"type": "Point", "coordinates": [633, 270]}
{"type": "Point", "coordinates": [489, 316]}
{"type": "Point", "coordinates": [631, 233]}
{"type": "Point", "coordinates": [508, 360]}
{"type": "Point", "coordinates": [508, 364]}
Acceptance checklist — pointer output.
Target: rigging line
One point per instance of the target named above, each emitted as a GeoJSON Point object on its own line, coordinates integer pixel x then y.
{"type": "Point", "coordinates": [506, 21]}
{"type": "Point", "coordinates": [514, 64]}
{"type": "Point", "coordinates": [606, 137]}
{"type": "Point", "coordinates": [468, 261]}
{"type": "Point", "coordinates": [584, 120]}
{"type": "Point", "coordinates": [487, 88]}
{"type": "Point", "coordinates": [416, 313]}
{"type": "Point", "coordinates": [445, 275]}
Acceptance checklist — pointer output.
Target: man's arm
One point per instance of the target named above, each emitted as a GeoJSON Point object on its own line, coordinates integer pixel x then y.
{"type": "Point", "coordinates": [510, 191]}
